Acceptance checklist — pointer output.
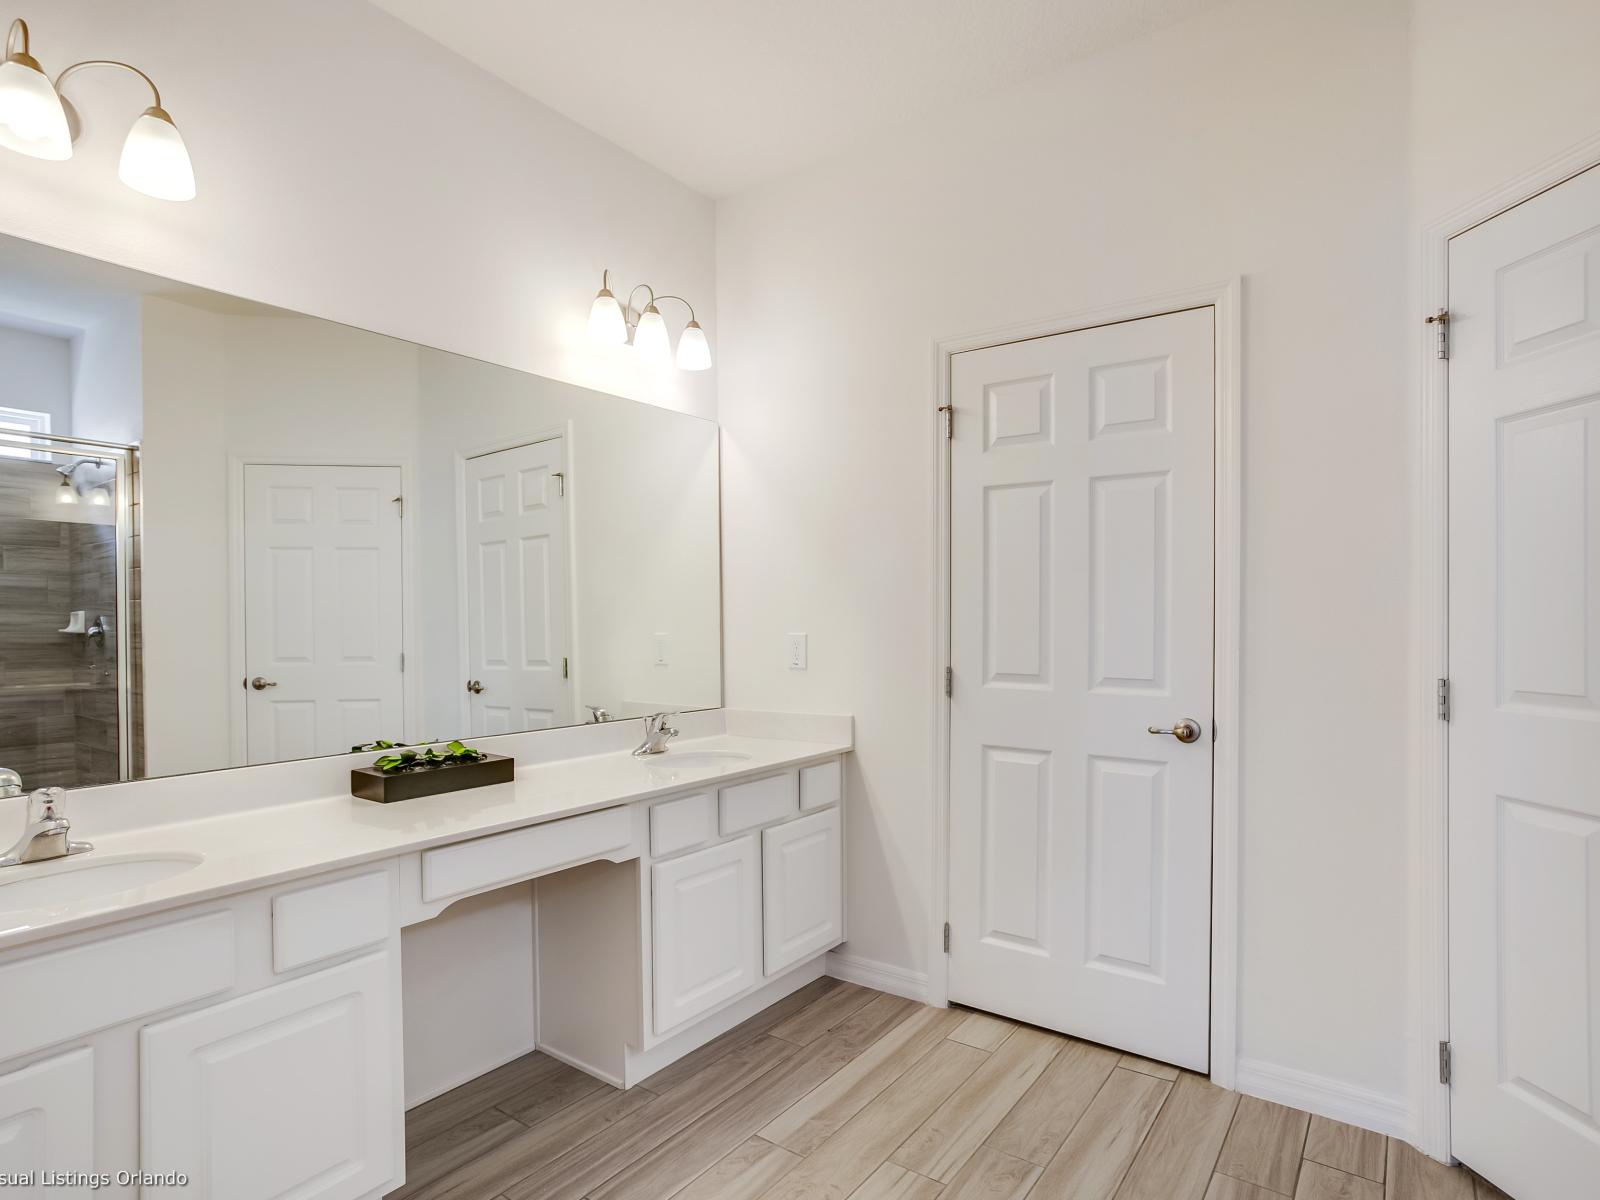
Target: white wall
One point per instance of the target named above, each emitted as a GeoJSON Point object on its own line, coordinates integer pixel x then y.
{"type": "Point", "coordinates": [37, 374]}
{"type": "Point", "coordinates": [107, 375]}
{"type": "Point", "coordinates": [1265, 139]}
{"type": "Point", "coordinates": [350, 168]}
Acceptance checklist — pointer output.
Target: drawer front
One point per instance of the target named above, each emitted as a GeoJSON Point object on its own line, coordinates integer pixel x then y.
{"type": "Point", "coordinates": [820, 785]}
{"type": "Point", "coordinates": [487, 862]}
{"type": "Point", "coordinates": [759, 802]}
{"type": "Point", "coordinates": [317, 922]}
{"type": "Point", "coordinates": [93, 986]}
{"type": "Point", "coordinates": [682, 824]}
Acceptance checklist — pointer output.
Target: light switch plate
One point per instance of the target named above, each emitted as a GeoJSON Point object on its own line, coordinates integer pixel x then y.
{"type": "Point", "coordinates": [660, 641]}
{"type": "Point", "coordinates": [797, 651]}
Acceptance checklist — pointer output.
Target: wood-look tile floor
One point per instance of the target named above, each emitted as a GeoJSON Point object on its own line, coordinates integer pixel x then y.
{"type": "Point", "coordinates": [842, 1092]}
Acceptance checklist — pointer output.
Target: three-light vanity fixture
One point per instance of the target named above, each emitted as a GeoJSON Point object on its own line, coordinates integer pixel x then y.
{"type": "Point", "coordinates": [618, 324]}
{"type": "Point", "coordinates": [34, 121]}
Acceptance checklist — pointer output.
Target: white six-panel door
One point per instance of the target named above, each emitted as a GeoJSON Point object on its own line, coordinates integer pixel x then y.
{"type": "Point", "coordinates": [323, 590]}
{"type": "Point", "coordinates": [1524, 735]}
{"type": "Point", "coordinates": [516, 593]}
{"type": "Point", "coordinates": [1081, 616]}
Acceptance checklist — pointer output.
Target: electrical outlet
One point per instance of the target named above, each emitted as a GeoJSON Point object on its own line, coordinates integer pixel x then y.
{"type": "Point", "coordinates": [660, 640]}
{"type": "Point", "coordinates": [797, 651]}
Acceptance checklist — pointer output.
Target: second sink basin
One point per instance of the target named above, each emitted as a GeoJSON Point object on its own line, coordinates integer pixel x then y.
{"type": "Point", "coordinates": [84, 876]}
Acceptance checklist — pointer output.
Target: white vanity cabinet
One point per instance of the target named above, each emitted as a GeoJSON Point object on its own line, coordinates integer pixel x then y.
{"type": "Point", "coordinates": [47, 1119]}
{"type": "Point", "coordinates": [288, 1091]}
{"type": "Point", "coordinates": [249, 1044]}
{"type": "Point", "coordinates": [802, 906]}
{"type": "Point", "coordinates": [707, 929]}
{"type": "Point", "coordinates": [761, 901]}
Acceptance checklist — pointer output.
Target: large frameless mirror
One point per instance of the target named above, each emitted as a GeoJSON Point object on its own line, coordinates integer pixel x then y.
{"type": "Point", "coordinates": [231, 534]}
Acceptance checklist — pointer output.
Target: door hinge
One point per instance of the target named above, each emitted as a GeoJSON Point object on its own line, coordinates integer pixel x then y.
{"type": "Point", "coordinates": [561, 482]}
{"type": "Point", "coordinates": [402, 663]}
{"type": "Point", "coordinates": [1442, 700]}
{"type": "Point", "coordinates": [1444, 1063]}
{"type": "Point", "coordinates": [949, 411]}
{"type": "Point", "coordinates": [1441, 322]}
{"type": "Point", "coordinates": [949, 682]}
{"type": "Point", "coordinates": [400, 507]}
{"type": "Point", "coordinates": [565, 672]}
{"type": "Point", "coordinates": [947, 937]}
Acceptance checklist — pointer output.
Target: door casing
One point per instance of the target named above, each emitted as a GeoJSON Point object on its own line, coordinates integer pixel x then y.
{"type": "Point", "coordinates": [1428, 895]}
{"type": "Point", "coordinates": [1224, 298]}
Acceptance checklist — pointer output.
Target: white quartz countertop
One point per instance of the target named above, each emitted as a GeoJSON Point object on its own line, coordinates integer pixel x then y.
{"type": "Point", "coordinates": [257, 847]}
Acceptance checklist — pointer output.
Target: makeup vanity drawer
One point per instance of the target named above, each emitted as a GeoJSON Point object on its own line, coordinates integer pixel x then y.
{"type": "Point", "coordinates": [487, 862]}
{"type": "Point", "coordinates": [759, 802]}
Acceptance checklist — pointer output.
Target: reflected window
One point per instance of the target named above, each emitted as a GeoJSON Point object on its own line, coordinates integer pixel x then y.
{"type": "Point", "coordinates": [23, 421]}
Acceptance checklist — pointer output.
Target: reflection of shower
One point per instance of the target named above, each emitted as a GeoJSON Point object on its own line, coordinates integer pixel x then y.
{"type": "Point", "coordinates": [70, 710]}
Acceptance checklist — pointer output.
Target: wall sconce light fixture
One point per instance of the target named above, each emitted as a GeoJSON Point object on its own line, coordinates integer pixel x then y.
{"type": "Point", "coordinates": [617, 324]}
{"type": "Point", "coordinates": [33, 121]}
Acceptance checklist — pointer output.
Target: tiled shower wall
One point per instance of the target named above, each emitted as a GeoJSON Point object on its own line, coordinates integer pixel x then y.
{"type": "Point", "coordinates": [58, 691]}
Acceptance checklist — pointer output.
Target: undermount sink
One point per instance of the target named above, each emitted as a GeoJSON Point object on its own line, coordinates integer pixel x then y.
{"type": "Point", "coordinates": [82, 877]}
{"type": "Point", "coordinates": [694, 758]}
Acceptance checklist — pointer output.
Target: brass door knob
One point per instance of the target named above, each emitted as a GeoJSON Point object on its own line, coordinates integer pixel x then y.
{"type": "Point", "coordinates": [1185, 730]}
{"type": "Point", "coordinates": [474, 686]}
{"type": "Point", "coordinates": [261, 684]}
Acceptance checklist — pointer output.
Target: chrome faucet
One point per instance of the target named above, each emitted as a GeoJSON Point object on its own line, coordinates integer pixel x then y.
{"type": "Point", "coordinates": [10, 783]}
{"type": "Point", "coordinates": [45, 835]}
{"type": "Point", "coordinates": [657, 733]}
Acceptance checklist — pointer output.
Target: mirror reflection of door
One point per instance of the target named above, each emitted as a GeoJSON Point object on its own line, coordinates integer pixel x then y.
{"type": "Point", "coordinates": [323, 585]}
{"type": "Point", "coordinates": [517, 574]}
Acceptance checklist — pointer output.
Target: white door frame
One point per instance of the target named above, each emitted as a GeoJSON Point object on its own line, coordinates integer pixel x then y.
{"type": "Point", "coordinates": [569, 493]}
{"type": "Point", "coordinates": [1224, 298]}
{"type": "Point", "coordinates": [410, 678]}
{"type": "Point", "coordinates": [1429, 933]}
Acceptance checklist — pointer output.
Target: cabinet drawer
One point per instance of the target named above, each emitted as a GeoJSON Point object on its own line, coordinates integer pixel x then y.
{"type": "Point", "coordinates": [93, 986]}
{"type": "Point", "coordinates": [682, 824]}
{"type": "Point", "coordinates": [820, 785]}
{"type": "Point", "coordinates": [325, 919]}
{"type": "Point", "coordinates": [487, 862]}
{"type": "Point", "coordinates": [759, 802]}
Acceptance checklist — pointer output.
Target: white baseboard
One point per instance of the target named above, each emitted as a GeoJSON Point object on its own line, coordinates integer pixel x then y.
{"type": "Point", "coordinates": [897, 981]}
{"type": "Point", "coordinates": [1331, 1098]}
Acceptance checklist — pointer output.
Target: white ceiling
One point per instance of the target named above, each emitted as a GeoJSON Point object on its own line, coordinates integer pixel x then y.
{"type": "Point", "coordinates": [724, 94]}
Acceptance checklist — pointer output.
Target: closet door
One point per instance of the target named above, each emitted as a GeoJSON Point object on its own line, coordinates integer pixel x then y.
{"type": "Point", "coordinates": [707, 929]}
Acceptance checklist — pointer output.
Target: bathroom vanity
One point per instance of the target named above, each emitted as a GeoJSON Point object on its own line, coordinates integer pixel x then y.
{"type": "Point", "coordinates": [233, 1013]}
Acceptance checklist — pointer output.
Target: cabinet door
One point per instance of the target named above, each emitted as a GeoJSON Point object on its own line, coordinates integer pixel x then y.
{"type": "Point", "coordinates": [47, 1122]}
{"type": "Point", "coordinates": [707, 943]}
{"type": "Point", "coordinates": [801, 896]}
{"type": "Point", "coordinates": [291, 1091]}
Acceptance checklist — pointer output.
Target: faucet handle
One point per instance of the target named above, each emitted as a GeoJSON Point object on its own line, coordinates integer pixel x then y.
{"type": "Point", "coordinates": [44, 803]}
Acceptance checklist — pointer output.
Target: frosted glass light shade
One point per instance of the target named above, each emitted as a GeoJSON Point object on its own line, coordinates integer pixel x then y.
{"type": "Point", "coordinates": [154, 159]}
{"type": "Point", "coordinates": [694, 352]}
{"type": "Point", "coordinates": [650, 337]}
{"type": "Point", "coordinates": [606, 323]}
{"type": "Point", "coordinates": [32, 121]}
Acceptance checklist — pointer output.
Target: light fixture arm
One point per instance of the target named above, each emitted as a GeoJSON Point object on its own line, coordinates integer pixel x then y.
{"type": "Point", "coordinates": [17, 39]}
{"type": "Point", "coordinates": [110, 62]}
{"type": "Point", "coordinates": [655, 299]}
{"type": "Point", "coordinates": [635, 292]}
